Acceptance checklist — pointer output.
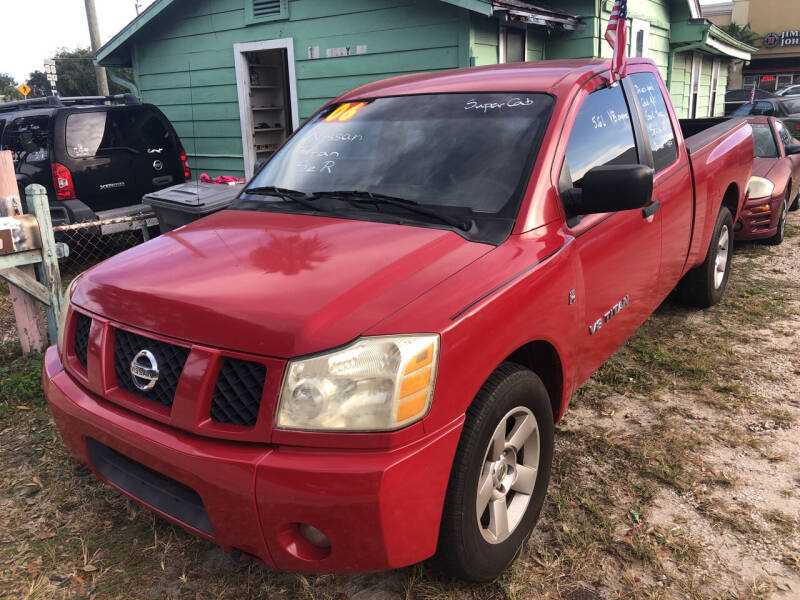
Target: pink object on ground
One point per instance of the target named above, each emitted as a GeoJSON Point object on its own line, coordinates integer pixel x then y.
{"type": "Point", "coordinates": [221, 179]}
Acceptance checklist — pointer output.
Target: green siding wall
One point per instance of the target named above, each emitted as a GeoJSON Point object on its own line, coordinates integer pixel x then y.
{"type": "Point", "coordinates": [185, 64]}
{"type": "Point", "coordinates": [484, 41]}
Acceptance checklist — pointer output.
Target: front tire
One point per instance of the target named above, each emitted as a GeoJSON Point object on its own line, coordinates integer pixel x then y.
{"type": "Point", "coordinates": [499, 477]}
{"type": "Point", "coordinates": [781, 230]}
{"type": "Point", "coordinates": [704, 285]}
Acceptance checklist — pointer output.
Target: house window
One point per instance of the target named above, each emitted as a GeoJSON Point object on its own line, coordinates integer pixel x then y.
{"type": "Point", "coordinates": [714, 83]}
{"type": "Point", "coordinates": [748, 82]}
{"type": "Point", "coordinates": [257, 11]}
{"type": "Point", "coordinates": [512, 45]}
{"type": "Point", "coordinates": [640, 38]}
{"type": "Point", "coordinates": [784, 80]}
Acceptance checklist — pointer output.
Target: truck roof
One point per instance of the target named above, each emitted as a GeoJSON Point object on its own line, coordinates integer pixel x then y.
{"type": "Point", "coordinates": [541, 76]}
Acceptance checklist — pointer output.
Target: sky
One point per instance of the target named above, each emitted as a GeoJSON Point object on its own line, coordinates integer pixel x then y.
{"type": "Point", "coordinates": [53, 24]}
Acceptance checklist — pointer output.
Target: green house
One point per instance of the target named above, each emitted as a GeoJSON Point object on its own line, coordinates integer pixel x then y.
{"type": "Point", "coordinates": [235, 77]}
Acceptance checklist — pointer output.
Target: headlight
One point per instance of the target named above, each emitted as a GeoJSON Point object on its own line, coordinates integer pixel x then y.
{"type": "Point", "coordinates": [375, 384]}
{"type": "Point", "coordinates": [758, 187]}
{"type": "Point", "coordinates": [62, 318]}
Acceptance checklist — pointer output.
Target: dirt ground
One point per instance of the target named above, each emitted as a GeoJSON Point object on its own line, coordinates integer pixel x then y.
{"type": "Point", "coordinates": [677, 475]}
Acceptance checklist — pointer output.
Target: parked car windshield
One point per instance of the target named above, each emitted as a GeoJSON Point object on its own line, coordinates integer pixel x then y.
{"type": "Point", "coordinates": [467, 155]}
{"type": "Point", "coordinates": [763, 141]}
{"type": "Point", "coordinates": [137, 129]}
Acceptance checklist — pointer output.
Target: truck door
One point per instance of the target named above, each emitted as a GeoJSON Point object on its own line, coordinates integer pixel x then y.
{"type": "Point", "coordinates": [618, 253]}
{"type": "Point", "coordinates": [672, 184]}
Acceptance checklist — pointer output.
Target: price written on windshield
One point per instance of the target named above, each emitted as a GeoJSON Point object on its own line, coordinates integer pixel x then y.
{"type": "Point", "coordinates": [345, 112]}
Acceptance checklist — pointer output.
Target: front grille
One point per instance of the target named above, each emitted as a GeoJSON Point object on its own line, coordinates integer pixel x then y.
{"type": "Point", "coordinates": [151, 487]}
{"type": "Point", "coordinates": [82, 327]}
{"type": "Point", "coordinates": [170, 361]}
{"type": "Point", "coordinates": [237, 395]}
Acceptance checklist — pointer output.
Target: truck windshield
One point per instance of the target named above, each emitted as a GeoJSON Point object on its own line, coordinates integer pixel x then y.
{"type": "Point", "coordinates": [464, 156]}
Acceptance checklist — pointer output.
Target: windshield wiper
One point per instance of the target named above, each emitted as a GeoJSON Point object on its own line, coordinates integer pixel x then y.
{"type": "Point", "coordinates": [360, 196]}
{"type": "Point", "coordinates": [285, 194]}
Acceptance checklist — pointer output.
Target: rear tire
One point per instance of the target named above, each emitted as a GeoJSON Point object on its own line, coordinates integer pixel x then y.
{"type": "Point", "coordinates": [503, 463]}
{"type": "Point", "coordinates": [704, 285]}
{"type": "Point", "coordinates": [781, 230]}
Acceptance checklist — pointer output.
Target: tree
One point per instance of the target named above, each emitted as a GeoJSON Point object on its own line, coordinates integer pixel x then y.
{"type": "Point", "coordinates": [75, 70]}
{"type": "Point", "coordinates": [39, 84]}
{"type": "Point", "coordinates": [8, 87]}
{"type": "Point", "coordinates": [76, 75]}
{"type": "Point", "coordinates": [743, 33]}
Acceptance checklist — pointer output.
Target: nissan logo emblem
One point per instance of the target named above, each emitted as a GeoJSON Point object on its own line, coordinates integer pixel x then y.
{"type": "Point", "coordinates": [144, 370]}
{"type": "Point", "coordinates": [158, 165]}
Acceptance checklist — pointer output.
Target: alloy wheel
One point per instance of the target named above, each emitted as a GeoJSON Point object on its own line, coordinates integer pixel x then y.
{"type": "Point", "coordinates": [508, 475]}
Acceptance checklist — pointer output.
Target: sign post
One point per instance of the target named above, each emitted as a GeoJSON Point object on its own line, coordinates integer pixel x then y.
{"type": "Point", "coordinates": [52, 76]}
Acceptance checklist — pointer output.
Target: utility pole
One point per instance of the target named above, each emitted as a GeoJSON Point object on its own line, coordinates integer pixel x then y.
{"type": "Point", "coordinates": [94, 34]}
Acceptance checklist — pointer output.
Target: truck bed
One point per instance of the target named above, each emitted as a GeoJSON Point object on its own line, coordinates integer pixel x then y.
{"type": "Point", "coordinates": [699, 133]}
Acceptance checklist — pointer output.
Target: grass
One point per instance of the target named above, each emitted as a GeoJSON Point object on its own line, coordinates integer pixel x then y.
{"type": "Point", "coordinates": [639, 435]}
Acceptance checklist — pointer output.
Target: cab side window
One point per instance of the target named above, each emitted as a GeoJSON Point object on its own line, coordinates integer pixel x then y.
{"type": "Point", "coordinates": [602, 135]}
{"type": "Point", "coordinates": [784, 134]}
{"type": "Point", "coordinates": [656, 119]}
{"type": "Point", "coordinates": [28, 139]}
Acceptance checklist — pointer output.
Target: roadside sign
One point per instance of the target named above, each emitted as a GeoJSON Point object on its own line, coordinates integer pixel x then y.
{"type": "Point", "coordinates": [24, 89]}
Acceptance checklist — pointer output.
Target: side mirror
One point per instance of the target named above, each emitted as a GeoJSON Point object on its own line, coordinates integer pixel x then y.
{"type": "Point", "coordinates": [258, 165]}
{"type": "Point", "coordinates": [792, 149]}
{"type": "Point", "coordinates": [611, 188]}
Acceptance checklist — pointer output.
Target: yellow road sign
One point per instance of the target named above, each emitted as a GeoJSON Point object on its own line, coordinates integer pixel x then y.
{"type": "Point", "coordinates": [24, 88]}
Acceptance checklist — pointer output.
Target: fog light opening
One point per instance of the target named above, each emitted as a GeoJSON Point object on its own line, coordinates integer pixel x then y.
{"type": "Point", "coordinates": [304, 541]}
{"type": "Point", "coordinates": [314, 536]}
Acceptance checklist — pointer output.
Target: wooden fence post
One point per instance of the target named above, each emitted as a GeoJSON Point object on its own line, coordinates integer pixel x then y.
{"type": "Point", "coordinates": [30, 321]}
{"type": "Point", "coordinates": [36, 197]}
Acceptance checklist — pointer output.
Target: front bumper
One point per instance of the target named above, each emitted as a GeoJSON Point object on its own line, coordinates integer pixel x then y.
{"type": "Point", "coordinates": [761, 224]}
{"type": "Point", "coordinates": [378, 508]}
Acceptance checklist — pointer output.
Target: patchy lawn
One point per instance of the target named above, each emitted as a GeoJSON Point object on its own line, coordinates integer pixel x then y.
{"type": "Point", "coordinates": [677, 475]}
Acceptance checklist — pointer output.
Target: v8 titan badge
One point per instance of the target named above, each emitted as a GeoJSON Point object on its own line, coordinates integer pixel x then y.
{"type": "Point", "coordinates": [158, 165]}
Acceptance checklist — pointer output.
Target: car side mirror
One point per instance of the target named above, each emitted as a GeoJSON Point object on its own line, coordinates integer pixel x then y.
{"type": "Point", "coordinates": [792, 149]}
{"type": "Point", "coordinates": [258, 165]}
{"type": "Point", "coordinates": [610, 188]}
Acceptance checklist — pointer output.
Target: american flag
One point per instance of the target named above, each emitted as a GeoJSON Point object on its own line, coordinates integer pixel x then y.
{"type": "Point", "coordinates": [617, 37]}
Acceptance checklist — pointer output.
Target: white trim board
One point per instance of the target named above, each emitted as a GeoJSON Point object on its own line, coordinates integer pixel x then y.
{"type": "Point", "coordinates": [243, 91]}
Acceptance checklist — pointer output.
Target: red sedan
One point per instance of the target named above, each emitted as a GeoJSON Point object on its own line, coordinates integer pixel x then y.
{"type": "Point", "coordinates": [774, 184]}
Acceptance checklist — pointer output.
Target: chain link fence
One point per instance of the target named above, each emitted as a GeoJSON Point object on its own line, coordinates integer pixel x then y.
{"type": "Point", "coordinates": [89, 243]}
{"type": "Point", "coordinates": [94, 241]}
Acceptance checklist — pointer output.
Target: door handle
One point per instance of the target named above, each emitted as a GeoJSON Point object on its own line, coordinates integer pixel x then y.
{"type": "Point", "coordinates": [651, 209]}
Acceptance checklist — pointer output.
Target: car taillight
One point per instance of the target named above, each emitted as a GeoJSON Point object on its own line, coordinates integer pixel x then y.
{"type": "Point", "coordinates": [797, 126]}
{"type": "Point", "coordinates": [187, 172]}
{"type": "Point", "coordinates": [62, 181]}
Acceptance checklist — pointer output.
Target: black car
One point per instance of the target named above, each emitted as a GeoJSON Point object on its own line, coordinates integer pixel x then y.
{"type": "Point", "coordinates": [90, 154]}
{"type": "Point", "coordinates": [735, 98]}
{"type": "Point", "coordinates": [786, 109]}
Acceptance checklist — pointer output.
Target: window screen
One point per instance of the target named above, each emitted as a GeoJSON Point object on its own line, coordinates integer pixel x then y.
{"type": "Point", "coordinates": [138, 129]}
{"type": "Point", "coordinates": [656, 119]}
{"type": "Point", "coordinates": [602, 134]}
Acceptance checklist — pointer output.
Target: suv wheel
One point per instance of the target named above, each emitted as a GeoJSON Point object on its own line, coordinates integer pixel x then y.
{"type": "Point", "coordinates": [499, 477]}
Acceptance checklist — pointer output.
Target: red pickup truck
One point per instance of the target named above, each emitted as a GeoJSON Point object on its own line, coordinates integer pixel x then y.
{"type": "Point", "coordinates": [359, 364]}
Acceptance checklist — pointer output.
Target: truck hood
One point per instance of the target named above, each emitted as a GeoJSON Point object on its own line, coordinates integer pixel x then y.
{"type": "Point", "coordinates": [273, 284]}
{"type": "Point", "coordinates": [763, 166]}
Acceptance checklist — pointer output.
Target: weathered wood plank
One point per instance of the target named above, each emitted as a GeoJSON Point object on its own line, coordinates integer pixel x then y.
{"type": "Point", "coordinates": [31, 326]}
{"type": "Point", "coordinates": [24, 279]}
{"type": "Point", "coordinates": [36, 197]}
